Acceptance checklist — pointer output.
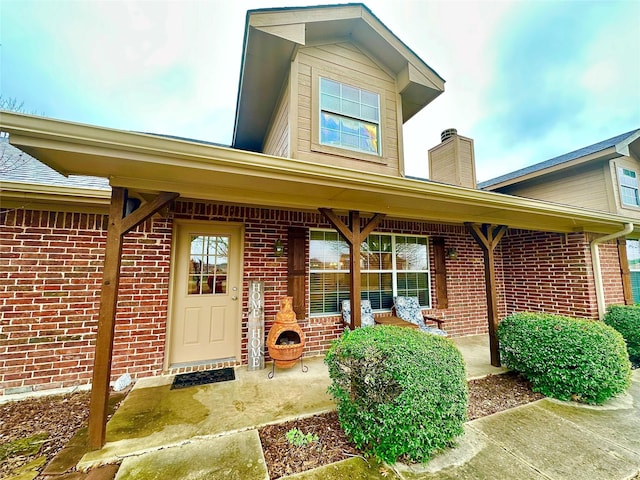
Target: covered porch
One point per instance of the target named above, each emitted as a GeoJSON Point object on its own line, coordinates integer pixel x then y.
{"type": "Point", "coordinates": [158, 170]}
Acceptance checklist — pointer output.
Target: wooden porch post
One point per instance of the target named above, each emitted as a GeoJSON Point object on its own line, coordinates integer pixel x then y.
{"type": "Point", "coordinates": [353, 235]}
{"type": "Point", "coordinates": [488, 237]}
{"type": "Point", "coordinates": [355, 285]}
{"type": "Point", "coordinates": [118, 226]}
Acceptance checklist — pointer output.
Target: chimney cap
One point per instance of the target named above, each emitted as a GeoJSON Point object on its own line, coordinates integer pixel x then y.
{"type": "Point", "coordinates": [448, 133]}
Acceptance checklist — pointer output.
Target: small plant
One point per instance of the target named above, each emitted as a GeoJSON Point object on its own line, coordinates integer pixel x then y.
{"type": "Point", "coordinates": [400, 393]}
{"type": "Point", "coordinates": [299, 439]}
{"type": "Point", "coordinates": [626, 320]}
{"type": "Point", "coordinates": [566, 358]}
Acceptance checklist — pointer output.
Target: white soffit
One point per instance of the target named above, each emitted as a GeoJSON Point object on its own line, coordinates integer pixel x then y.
{"type": "Point", "coordinates": [294, 33]}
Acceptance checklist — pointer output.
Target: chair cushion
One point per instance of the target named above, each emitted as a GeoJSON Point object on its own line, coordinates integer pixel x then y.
{"type": "Point", "coordinates": [408, 309]}
{"type": "Point", "coordinates": [346, 312]}
{"type": "Point", "coordinates": [433, 330]}
{"type": "Point", "coordinates": [366, 313]}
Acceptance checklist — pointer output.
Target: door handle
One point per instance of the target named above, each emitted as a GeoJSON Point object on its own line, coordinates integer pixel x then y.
{"type": "Point", "coordinates": [234, 298]}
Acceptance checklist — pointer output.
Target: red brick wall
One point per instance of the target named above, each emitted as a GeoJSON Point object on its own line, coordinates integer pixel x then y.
{"type": "Point", "coordinates": [548, 272]}
{"type": "Point", "coordinates": [262, 228]}
{"type": "Point", "coordinates": [466, 314]}
{"type": "Point", "coordinates": [50, 274]}
{"type": "Point", "coordinates": [611, 273]}
{"type": "Point", "coordinates": [143, 294]}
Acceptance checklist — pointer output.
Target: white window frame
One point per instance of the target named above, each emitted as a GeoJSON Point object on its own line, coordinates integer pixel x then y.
{"type": "Point", "coordinates": [628, 185]}
{"type": "Point", "coordinates": [364, 83]}
{"type": "Point", "coordinates": [394, 271]}
{"type": "Point", "coordinates": [340, 111]}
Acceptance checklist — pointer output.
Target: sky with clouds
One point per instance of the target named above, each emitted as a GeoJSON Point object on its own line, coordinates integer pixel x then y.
{"type": "Point", "coordinates": [527, 80]}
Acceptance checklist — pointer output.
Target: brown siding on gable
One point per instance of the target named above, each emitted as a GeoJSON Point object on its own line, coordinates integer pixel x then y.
{"type": "Point", "coordinates": [583, 186]}
{"type": "Point", "coordinates": [277, 140]}
{"type": "Point", "coordinates": [345, 63]}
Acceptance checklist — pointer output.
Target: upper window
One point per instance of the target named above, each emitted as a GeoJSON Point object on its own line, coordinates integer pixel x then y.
{"type": "Point", "coordinates": [628, 187]}
{"type": "Point", "coordinates": [391, 265]}
{"type": "Point", "coordinates": [349, 117]}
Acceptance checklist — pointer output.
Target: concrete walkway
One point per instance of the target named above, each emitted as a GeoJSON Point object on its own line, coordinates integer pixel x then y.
{"type": "Point", "coordinates": [209, 432]}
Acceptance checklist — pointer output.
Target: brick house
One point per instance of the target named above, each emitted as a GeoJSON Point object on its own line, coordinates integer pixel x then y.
{"type": "Point", "coordinates": [152, 276]}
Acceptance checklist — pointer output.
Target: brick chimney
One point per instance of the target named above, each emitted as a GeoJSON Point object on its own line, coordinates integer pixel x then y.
{"type": "Point", "coordinates": [453, 161]}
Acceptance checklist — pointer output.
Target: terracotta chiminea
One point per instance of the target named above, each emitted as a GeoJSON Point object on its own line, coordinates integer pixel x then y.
{"type": "Point", "coordinates": [285, 341]}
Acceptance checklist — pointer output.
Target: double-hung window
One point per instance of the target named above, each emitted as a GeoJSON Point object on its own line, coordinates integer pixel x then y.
{"type": "Point", "coordinates": [391, 265]}
{"type": "Point", "coordinates": [349, 117]}
{"type": "Point", "coordinates": [628, 187]}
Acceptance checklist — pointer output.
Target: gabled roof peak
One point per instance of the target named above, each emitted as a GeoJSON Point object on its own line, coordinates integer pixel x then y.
{"type": "Point", "coordinates": [272, 36]}
{"type": "Point", "coordinates": [620, 142]}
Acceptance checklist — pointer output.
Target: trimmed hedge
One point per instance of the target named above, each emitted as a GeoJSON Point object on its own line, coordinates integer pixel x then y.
{"type": "Point", "coordinates": [400, 392]}
{"type": "Point", "coordinates": [626, 320]}
{"type": "Point", "coordinates": [566, 358]}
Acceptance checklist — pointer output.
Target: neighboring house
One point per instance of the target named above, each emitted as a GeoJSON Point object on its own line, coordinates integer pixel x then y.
{"type": "Point", "coordinates": [603, 176]}
{"type": "Point", "coordinates": [310, 199]}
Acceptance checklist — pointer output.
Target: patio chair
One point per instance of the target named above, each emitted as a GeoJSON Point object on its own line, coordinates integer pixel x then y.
{"type": "Point", "coordinates": [366, 313]}
{"type": "Point", "coordinates": [409, 310]}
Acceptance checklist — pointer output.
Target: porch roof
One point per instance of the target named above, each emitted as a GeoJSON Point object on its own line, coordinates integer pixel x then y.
{"type": "Point", "coordinates": [148, 164]}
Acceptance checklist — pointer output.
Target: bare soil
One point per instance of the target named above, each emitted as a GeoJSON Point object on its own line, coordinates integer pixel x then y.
{"type": "Point", "coordinates": [58, 416]}
{"type": "Point", "coordinates": [61, 416]}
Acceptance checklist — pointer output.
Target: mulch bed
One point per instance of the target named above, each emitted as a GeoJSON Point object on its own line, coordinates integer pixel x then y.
{"type": "Point", "coordinates": [496, 393]}
{"type": "Point", "coordinates": [284, 459]}
{"type": "Point", "coordinates": [488, 395]}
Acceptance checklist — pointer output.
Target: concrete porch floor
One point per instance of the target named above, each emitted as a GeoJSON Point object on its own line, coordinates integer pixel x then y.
{"type": "Point", "coordinates": [154, 417]}
{"type": "Point", "coordinates": [209, 432]}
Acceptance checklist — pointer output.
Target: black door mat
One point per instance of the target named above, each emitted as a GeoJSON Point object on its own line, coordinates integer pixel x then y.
{"type": "Point", "coordinates": [202, 378]}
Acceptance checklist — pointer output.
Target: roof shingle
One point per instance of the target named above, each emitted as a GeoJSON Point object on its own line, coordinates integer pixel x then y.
{"type": "Point", "coordinates": [18, 166]}
{"type": "Point", "coordinates": [552, 162]}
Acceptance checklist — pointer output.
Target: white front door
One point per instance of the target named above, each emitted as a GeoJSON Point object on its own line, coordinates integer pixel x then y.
{"type": "Point", "coordinates": [206, 308]}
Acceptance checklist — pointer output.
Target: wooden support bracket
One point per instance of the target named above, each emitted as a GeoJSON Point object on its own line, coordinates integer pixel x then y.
{"type": "Point", "coordinates": [354, 234]}
{"type": "Point", "coordinates": [118, 226]}
{"type": "Point", "coordinates": [488, 237]}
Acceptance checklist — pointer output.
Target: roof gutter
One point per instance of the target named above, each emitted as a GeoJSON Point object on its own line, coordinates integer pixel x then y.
{"type": "Point", "coordinates": [152, 163]}
{"type": "Point", "coordinates": [597, 270]}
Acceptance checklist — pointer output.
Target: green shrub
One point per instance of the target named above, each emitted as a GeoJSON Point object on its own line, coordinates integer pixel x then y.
{"type": "Point", "coordinates": [566, 358]}
{"type": "Point", "coordinates": [626, 320]}
{"type": "Point", "coordinates": [399, 392]}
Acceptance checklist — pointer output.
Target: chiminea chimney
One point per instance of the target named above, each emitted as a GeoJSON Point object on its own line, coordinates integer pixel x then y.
{"type": "Point", "coordinates": [453, 161]}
